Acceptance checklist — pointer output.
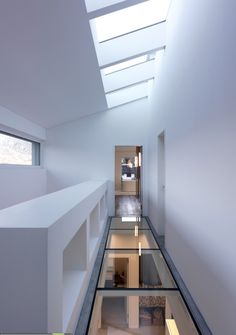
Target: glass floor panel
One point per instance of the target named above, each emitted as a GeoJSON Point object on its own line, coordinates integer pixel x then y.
{"type": "Point", "coordinates": [136, 292]}
{"type": "Point", "coordinates": [125, 268]}
{"type": "Point", "coordinates": [140, 312]}
{"type": "Point", "coordinates": [126, 239]}
{"type": "Point", "coordinates": [129, 223]}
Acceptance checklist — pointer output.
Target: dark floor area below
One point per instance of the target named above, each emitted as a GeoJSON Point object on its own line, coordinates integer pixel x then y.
{"type": "Point", "coordinates": [127, 205]}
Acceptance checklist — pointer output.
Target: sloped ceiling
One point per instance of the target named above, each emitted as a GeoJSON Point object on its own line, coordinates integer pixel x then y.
{"type": "Point", "coordinates": [49, 72]}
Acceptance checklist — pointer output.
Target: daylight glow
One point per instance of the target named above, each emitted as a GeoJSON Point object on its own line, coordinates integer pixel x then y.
{"type": "Point", "coordinates": [15, 150]}
{"type": "Point", "coordinates": [150, 86]}
{"type": "Point", "coordinates": [132, 18]}
{"type": "Point", "coordinates": [172, 327]}
{"type": "Point", "coordinates": [124, 65]}
{"type": "Point", "coordinates": [139, 248]}
{"type": "Point", "coordinates": [129, 219]}
{"type": "Point", "coordinates": [127, 94]}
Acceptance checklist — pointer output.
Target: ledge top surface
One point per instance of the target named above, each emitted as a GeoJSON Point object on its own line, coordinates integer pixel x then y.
{"type": "Point", "coordinates": [44, 211]}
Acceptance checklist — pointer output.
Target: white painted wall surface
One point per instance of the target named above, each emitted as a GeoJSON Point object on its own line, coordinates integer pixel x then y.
{"type": "Point", "coordinates": [21, 183]}
{"type": "Point", "coordinates": [194, 102]}
{"type": "Point", "coordinates": [23, 260]}
{"type": "Point", "coordinates": [85, 149]}
{"type": "Point", "coordinates": [10, 120]}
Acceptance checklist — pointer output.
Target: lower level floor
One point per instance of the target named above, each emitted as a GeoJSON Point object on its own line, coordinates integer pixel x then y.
{"type": "Point", "coordinates": [136, 292]}
{"type": "Point", "coordinates": [127, 205]}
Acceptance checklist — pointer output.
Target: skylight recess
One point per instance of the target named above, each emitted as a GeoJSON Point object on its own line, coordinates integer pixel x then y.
{"type": "Point", "coordinates": [127, 94]}
{"type": "Point", "coordinates": [128, 76]}
{"type": "Point", "coordinates": [130, 19]}
{"type": "Point", "coordinates": [124, 65]}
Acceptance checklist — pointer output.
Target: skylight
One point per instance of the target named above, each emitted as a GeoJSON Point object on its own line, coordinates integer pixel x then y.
{"type": "Point", "coordinates": [124, 65]}
{"type": "Point", "coordinates": [127, 94]}
{"type": "Point", "coordinates": [130, 19]}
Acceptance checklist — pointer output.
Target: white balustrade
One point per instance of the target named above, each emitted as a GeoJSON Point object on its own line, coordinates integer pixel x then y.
{"type": "Point", "coordinates": [48, 247]}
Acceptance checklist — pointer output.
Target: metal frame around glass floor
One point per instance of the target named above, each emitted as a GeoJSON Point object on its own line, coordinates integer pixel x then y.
{"type": "Point", "coordinates": [135, 290]}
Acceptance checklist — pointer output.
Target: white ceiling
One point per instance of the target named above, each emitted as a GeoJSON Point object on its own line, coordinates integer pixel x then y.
{"type": "Point", "coordinates": [49, 71]}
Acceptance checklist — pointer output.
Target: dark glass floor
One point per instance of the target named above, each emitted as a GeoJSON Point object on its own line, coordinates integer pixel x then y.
{"type": "Point", "coordinates": [127, 205]}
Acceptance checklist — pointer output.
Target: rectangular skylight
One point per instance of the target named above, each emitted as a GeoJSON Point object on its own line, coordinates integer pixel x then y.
{"type": "Point", "coordinates": [124, 65]}
{"type": "Point", "coordinates": [128, 76]}
{"type": "Point", "coordinates": [127, 94]}
{"type": "Point", "coordinates": [130, 19]}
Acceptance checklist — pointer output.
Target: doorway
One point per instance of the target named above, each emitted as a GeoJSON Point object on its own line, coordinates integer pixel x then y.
{"type": "Point", "coordinates": [128, 185]}
{"type": "Point", "coordinates": [161, 182]}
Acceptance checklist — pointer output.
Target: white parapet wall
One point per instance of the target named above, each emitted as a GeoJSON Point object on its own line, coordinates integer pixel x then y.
{"type": "Point", "coordinates": [48, 247]}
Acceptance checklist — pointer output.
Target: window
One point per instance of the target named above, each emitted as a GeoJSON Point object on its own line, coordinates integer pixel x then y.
{"type": "Point", "coordinates": [127, 94]}
{"type": "Point", "coordinates": [124, 65]}
{"type": "Point", "coordinates": [130, 19]}
{"type": "Point", "coordinates": [18, 151]}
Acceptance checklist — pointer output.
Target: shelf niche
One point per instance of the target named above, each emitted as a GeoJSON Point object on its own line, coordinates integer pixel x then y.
{"type": "Point", "coordinates": [74, 271]}
{"type": "Point", "coordinates": [93, 229]}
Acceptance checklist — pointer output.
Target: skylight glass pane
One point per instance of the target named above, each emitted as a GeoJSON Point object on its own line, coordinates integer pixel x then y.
{"type": "Point", "coordinates": [127, 94]}
{"type": "Point", "coordinates": [131, 18]}
{"type": "Point", "coordinates": [124, 65]}
{"type": "Point", "coordinates": [128, 76]}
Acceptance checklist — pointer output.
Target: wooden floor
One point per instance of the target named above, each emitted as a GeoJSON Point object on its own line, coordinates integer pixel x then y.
{"type": "Point", "coordinates": [127, 205]}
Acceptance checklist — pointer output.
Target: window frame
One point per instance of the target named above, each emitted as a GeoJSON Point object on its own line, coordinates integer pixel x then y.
{"type": "Point", "coordinates": [36, 151]}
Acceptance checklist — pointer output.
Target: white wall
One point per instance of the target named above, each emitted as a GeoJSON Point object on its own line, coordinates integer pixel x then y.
{"type": "Point", "coordinates": [85, 149]}
{"type": "Point", "coordinates": [194, 102]}
{"type": "Point", "coordinates": [23, 260]}
{"type": "Point", "coordinates": [21, 183]}
{"type": "Point", "coordinates": [11, 121]}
